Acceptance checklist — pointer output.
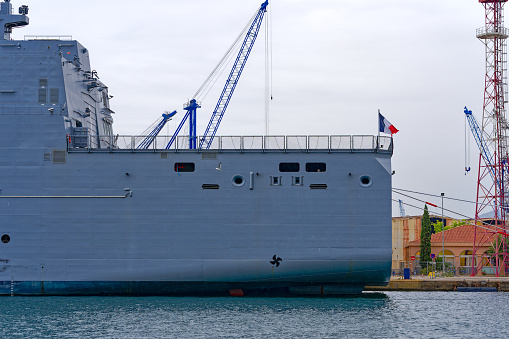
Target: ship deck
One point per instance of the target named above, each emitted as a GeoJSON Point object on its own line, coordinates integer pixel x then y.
{"type": "Point", "coordinates": [256, 144]}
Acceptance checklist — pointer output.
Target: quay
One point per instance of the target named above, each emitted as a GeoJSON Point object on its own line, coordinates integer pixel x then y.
{"type": "Point", "coordinates": [462, 284]}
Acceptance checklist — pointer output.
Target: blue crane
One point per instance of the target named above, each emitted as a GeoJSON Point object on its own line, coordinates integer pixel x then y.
{"type": "Point", "coordinates": [149, 139]}
{"type": "Point", "coordinates": [488, 157]}
{"type": "Point", "coordinates": [191, 115]}
{"type": "Point", "coordinates": [402, 212]}
{"type": "Point", "coordinates": [233, 78]}
{"type": "Point", "coordinates": [477, 133]}
{"type": "Point", "coordinates": [227, 93]}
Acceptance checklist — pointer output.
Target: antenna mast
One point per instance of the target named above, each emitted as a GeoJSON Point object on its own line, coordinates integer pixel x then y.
{"type": "Point", "coordinates": [492, 183]}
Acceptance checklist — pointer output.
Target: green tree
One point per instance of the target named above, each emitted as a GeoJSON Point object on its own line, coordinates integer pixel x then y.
{"type": "Point", "coordinates": [425, 237]}
{"type": "Point", "coordinates": [500, 243]}
{"type": "Point", "coordinates": [457, 223]}
{"type": "Point", "coordinates": [438, 225]}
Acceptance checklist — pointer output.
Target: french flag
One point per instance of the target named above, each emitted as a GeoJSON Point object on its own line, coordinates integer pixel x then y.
{"type": "Point", "coordinates": [384, 126]}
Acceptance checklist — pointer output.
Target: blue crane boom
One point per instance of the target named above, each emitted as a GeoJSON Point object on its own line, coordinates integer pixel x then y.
{"type": "Point", "coordinates": [489, 159]}
{"type": "Point", "coordinates": [191, 115]}
{"type": "Point", "coordinates": [402, 212]}
{"type": "Point", "coordinates": [233, 78]}
{"type": "Point", "coordinates": [149, 139]}
{"type": "Point", "coordinates": [477, 133]}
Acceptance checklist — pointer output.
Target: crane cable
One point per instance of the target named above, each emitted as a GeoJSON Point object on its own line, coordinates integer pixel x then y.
{"type": "Point", "coordinates": [465, 216]}
{"type": "Point", "coordinates": [205, 88]}
{"type": "Point", "coordinates": [147, 131]}
{"type": "Point", "coordinates": [268, 70]}
{"type": "Point", "coordinates": [467, 147]}
{"type": "Point", "coordinates": [437, 196]}
{"type": "Point", "coordinates": [445, 216]}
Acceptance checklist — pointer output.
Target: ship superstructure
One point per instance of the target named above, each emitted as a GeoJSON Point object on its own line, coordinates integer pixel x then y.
{"type": "Point", "coordinates": [84, 211]}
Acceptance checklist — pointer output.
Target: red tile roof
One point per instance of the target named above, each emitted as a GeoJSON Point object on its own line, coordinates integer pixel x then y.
{"type": "Point", "coordinates": [460, 234]}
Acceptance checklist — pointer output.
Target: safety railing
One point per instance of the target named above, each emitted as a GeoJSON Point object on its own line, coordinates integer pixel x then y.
{"type": "Point", "coordinates": [47, 37]}
{"type": "Point", "coordinates": [490, 32]}
{"type": "Point", "coordinates": [275, 143]}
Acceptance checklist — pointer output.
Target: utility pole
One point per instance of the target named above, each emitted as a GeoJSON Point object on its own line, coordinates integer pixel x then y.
{"type": "Point", "coordinates": [443, 236]}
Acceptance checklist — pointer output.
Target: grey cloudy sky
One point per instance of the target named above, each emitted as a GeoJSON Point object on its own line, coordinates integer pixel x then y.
{"type": "Point", "coordinates": [335, 63]}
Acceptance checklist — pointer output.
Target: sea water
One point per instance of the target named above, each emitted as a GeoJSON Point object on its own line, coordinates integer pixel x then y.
{"type": "Point", "coordinates": [371, 315]}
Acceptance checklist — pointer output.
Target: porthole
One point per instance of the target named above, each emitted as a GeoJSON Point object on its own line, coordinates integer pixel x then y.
{"type": "Point", "coordinates": [365, 181]}
{"type": "Point", "coordinates": [6, 238]}
{"type": "Point", "coordinates": [238, 180]}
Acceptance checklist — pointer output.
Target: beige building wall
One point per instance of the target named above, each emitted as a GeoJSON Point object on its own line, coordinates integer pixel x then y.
{"type": "Point", "coordinates": [456, 248]}
{"type": "Point", "coordinates": [405, 230]}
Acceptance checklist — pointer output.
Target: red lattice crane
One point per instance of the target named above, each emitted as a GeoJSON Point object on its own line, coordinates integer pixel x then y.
{"type": "Point", "coordinates": [492, 183]}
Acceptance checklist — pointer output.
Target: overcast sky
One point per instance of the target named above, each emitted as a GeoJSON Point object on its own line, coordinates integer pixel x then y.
{"type": "Point", "coordinates": [335, 63]}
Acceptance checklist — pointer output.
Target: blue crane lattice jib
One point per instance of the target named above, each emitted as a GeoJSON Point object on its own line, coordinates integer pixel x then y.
{"type": "Point", "coordinates": [191, 115]}
{"type": "Point", "coordinates": [149, 139]}
{"type": "Point", "coordinates": [177, 131]}
{"type": "Point", "coordinates": [477, 133]}
{"type": "Point", "coordinates": [485, 153]}
{"type": "Point", "coordinates": [401, 208]}
{"type": "Point", "coordinates": [191, 108]}
{"type": "Point", "coordinates": [233, 78]}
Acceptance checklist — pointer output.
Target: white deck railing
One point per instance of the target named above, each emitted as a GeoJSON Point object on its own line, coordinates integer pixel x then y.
{"type": "Point", "coordinates": [276, 143]}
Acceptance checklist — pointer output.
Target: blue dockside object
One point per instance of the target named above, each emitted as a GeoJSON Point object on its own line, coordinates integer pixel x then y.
{"type": "Point", "coordinates": [85, 211]}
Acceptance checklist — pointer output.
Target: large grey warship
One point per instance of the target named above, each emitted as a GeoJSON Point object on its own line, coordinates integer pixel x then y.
{"type": "Point", "coordinates": [84, 211]}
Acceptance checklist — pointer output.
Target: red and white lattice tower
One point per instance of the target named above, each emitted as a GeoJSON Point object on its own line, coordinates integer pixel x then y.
{"type": "Point", "coordinates": [492, 184]}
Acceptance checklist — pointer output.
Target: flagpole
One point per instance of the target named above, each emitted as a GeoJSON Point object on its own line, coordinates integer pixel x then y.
{"type": "Point", "coordinates": [378, 139]}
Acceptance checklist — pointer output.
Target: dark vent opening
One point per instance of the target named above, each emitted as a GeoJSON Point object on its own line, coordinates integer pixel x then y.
{"type": "Point", "coordinates": [42, 95]}
{"type": "Point", "coordinates": [53, 96]}
{"type": "Point", "coordinates": [43, 82]}
{"type": "Point", "coordinates": [209, 156]}
{"type": "Point", "coordinates": [164, 155]}
{"type": "Point", "coordinates": [318, 186]}
{"type": "Point", "coordinates": [59, 157]}
{"type": "Point", "coordinates": [210, 186]}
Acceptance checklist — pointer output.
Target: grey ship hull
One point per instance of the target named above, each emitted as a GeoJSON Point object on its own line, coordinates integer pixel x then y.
{"type": "Point", "coordinates": [172, 235]}
{"type": "Point", "coordinates": [84, 215]}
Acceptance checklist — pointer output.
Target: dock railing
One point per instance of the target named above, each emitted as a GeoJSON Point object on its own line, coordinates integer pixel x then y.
{"type": "Point", "coordinates": [273, 143]}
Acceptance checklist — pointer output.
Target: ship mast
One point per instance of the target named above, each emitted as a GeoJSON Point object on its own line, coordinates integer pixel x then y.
{"type": "Point", "coordinates": [10, 20]}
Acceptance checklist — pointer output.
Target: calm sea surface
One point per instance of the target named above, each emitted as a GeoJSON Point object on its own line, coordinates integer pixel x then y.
{"type": "Point", "coordinates": [373, 315]}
